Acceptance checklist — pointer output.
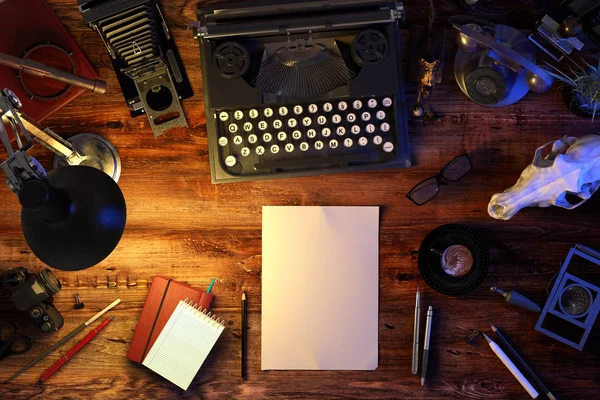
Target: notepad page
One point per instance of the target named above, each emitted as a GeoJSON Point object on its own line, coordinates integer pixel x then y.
{"type": "Point", "coordinates": [183, 345]}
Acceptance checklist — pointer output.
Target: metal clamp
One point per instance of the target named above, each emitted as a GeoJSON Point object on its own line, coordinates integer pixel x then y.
{"type": "Point", "coordinates": [86, 149]}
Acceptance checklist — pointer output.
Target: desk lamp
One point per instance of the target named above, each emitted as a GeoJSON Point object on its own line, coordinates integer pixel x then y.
{"type": "Point", "coordinates": [73, 217]}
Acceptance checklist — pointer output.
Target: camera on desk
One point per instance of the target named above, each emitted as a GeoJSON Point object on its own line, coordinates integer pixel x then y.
{"type": "Point", "coordinates": [33, 294]}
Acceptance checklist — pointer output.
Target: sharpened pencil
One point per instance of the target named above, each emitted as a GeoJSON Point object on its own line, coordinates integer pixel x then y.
{"type": "Point", "coordinates": [244, 333]}
{"type": "Point", "coordinates": [523, 363]}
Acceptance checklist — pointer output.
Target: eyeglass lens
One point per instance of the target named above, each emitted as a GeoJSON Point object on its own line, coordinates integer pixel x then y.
{"type": "Point", "coordinates": [424, 191]}
{"type": "Point", "coordinates": [457, 168]}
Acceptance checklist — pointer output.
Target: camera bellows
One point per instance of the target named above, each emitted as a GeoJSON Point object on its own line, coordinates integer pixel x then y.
{"type": "Point", "coordinates": [300, 74]}
{"type": "Point", "coordinates": [130, 34]}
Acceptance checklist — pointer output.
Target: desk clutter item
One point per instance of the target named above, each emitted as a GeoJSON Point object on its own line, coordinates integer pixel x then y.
{"type": "Point", "coordinates": [164, 296]}
{"type": "Point", "coordinates": [85, 149]}
{"type": "Point", "coordinates": [512, 367]}
{"type": "Point", "coordinates": [244, 352]}
{"type": "Point", "coordinates": [426, 342]}
{"type": "Point", "coordinates": [73, 217]}
{"type": "Point", "coordinates": [564, 173]}
{"type": "Point", "coordinates": [65, 339]}
{"type": "Point", "coordinates": [516, 299]}
{"type": "Point", "coordinates": [184, 343]}
{"type": "Point", "coordinates": [579, 92]}
{"type": "Point", "coordinates": [71, 353]}
{"type": "Point", "coordinates": [144, 57]}
{"type": "Point", "coordinates": [416, 333]}
{"type": "Point", "coordinates": [560, 39]}
{"type": "Point", "coordinates": [574, 302]}
{"type": "Point", "coordinates": [12, 343]}
{"type": "Point", "coordinates": [430, 47]}
{"type": "Point", "coordinates": [557, 40]}
{"type": "Point", "coordinates": [584, 15]}
{"type": "Point", "coordinates": [33, 294]}
{"type": "Point", "coordinates": [323, 95]}
{"type": "Point", "coordinates": [44, 71]}
{"type": "Point", "coordinates": [31, 30]}
{"type": "Point", "coordinates": [526, 367]}
{"type": "Point", "coordinates": [495, 65]}
{"type": "Point", "coordinates": [428, 189]}
{"type": "Point", "coordinates": [320, 288]}
{"type": "Point", "coordinates": [78, 303]}
{"type": "Point", "coordinates": [453, 259]}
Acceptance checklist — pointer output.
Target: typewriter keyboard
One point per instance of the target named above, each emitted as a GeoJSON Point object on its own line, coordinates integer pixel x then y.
{"type": "Point", "coordinates": [319, 135]}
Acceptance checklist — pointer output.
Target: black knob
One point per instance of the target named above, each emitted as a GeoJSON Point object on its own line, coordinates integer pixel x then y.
{"type": "Point", "coordinates": [36, 312]}
{"type": "Point", "coordinates": [46, 327]}
{"type": "Point", "coordinates": [570, 27]}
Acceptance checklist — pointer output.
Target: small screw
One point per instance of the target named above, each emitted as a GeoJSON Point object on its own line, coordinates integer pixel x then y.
{"type": "Point", "coordinates": [78, 303]}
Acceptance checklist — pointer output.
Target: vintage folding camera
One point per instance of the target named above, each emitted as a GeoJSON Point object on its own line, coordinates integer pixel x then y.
{"type": "Point", "coordinates": [33, 294]}
{"type": "Point", "coordinates": [145, 58]}
{"type": "Point", "coordinates": [302, 88]}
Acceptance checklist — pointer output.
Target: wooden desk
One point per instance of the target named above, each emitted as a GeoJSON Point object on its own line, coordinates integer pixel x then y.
{"type": "Point", "coordinates": [182, 226]}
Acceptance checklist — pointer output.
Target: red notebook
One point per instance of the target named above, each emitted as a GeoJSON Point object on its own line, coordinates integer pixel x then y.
{"type": "Point", "coordinates": [162, 300]}
{"type": "Point", "coordinates": [25, 25]}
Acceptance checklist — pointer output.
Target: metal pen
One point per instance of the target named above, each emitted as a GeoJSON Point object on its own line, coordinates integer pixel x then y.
{"type": "Point", "coordinates": [415, 359]}
{"type": "Point", "coordinates": [426, 344]}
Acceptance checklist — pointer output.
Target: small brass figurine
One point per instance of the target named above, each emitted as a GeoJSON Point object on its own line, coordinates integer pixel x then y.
{"type": "Point", "coordinates": [428, 69]}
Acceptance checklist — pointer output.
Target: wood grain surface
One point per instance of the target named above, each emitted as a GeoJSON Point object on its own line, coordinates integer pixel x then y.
{"type": "Point", "coordinates": [182, 226]}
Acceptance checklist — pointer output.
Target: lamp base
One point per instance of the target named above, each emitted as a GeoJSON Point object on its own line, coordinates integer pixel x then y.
{"type": "Point", "coordinates": [98, 152]}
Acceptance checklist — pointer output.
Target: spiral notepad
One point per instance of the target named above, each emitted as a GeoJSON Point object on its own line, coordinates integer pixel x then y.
{"type": "Point", "coordinates": [184, 343]}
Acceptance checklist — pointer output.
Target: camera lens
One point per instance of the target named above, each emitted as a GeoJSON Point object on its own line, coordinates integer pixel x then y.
{"type": "Point", "coordinates": [36, 312]}
{"type": "Point", "coordinates": [49, 282]}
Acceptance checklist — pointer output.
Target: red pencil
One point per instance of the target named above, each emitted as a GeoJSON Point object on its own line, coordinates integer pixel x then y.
{"type": "Point", "coordinates": [64, 359]}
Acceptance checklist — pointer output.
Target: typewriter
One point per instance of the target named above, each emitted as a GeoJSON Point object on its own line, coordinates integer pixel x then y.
{"type": "Point", "coordinates": [302, 88]}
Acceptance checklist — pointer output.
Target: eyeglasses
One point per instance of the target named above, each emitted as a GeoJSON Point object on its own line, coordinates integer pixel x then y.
{"type": "Point", "coordinates": [430, 187]}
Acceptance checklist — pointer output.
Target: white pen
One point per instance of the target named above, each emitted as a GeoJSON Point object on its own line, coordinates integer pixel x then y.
{"type": "Point", "coordinates": [512, 368]}
{"type": "Point", "coordinates": [415, 359]}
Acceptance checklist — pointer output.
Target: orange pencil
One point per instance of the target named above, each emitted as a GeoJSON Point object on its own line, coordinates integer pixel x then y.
{"type": "Point", "coordinates": [64, 359]}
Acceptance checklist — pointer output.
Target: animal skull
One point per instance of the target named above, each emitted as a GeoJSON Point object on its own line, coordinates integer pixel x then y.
{"type": "Point", "coordinates": [571, 167]}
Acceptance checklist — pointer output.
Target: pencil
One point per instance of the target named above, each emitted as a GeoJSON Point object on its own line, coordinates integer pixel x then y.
{"type": "Point", "coordinates": [64, 359]}
{"type": "Point", "coordinates": [512, 367]}
{"type": "Point", "coordinates": [64, 340]}
{"type": "Point", "coordinates": [244, 333]}
{"type": "Point", "coordinates": [523, 364]}
{"type": "Point", "coordinates": [211, 285]}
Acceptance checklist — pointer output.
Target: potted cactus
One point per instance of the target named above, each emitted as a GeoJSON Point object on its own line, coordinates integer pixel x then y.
{"type": "Point", "coordinates": [582, 91]}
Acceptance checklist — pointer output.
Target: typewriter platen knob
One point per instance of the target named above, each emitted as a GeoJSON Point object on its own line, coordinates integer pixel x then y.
{"type": "Point", "coordinates": [231, 60]}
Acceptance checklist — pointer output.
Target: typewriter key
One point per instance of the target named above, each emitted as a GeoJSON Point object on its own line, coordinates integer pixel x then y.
{"type": "Point", "coordinates": [230, 161]}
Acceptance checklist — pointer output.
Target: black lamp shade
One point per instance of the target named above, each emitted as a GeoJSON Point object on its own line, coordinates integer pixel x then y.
{"type": "Point", "coordinates": [75, 220]}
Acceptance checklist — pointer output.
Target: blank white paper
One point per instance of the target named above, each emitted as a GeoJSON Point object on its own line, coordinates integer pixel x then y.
{"type": "Point", "coordinates": [320, 288]}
